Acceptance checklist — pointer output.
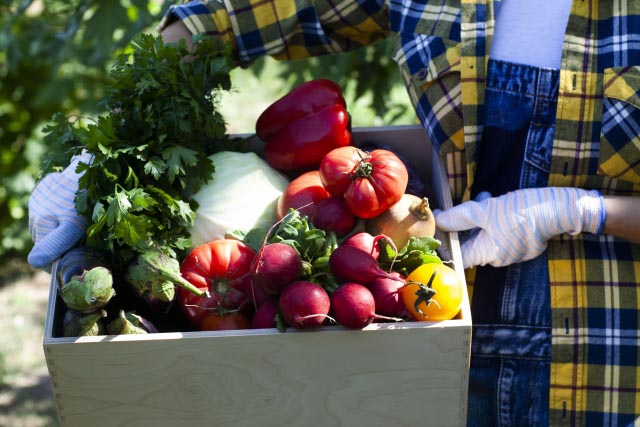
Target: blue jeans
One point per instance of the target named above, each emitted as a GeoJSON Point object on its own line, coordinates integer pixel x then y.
{"type": "Point", "coordinates": [511, 344]}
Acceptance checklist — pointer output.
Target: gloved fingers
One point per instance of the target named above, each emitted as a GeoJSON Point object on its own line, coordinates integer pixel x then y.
{"type": "Point", "coordinates": [483, 249]}
{"type": "Point", "coordinates": [76, 261]}
{"type": "Point", "coordinates": [55, 243]}
{"type": "Point", "coordinates": [465, 216]}
{"type": "Point", "coordinates": [477, 250]}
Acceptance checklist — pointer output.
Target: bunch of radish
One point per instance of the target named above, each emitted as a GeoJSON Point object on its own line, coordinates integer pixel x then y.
{"type": "Point", "coordinates": [365, 293]}
{"type": "Point", "coordinates": [351, 188]}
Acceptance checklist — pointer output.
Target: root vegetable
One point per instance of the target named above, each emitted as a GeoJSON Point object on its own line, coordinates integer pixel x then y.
{"type": "Point", "coordinates": [386, 293]}
{"type": "Point", "coordinates": [350, 264]}
{"type": "Point", "coordinates": [275, 266]}
{"type": "Point", "coordinates": [367, 242]}
{"type": "Point", "coordinates": [304, 305]}
{"type": "Point", "coordinates": [410, 216]}
{"type": "Point", "coordinates": [265, 316]}
{"type": "Point", "coordinates": [332, 214]}
{"type": "Point", "coordinates": [255, 295]}
{"type": "Point", "coordinates": [354, 307]}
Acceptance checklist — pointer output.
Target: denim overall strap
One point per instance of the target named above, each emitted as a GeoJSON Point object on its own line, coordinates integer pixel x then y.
{"type": "Point", "coordinates": [511, 346]}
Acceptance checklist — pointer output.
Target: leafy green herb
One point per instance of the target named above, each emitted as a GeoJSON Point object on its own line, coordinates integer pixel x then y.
{"type": "Point", "coordinates": [417, 251]}
{"type": "Point", "coordinates": [150, 150]}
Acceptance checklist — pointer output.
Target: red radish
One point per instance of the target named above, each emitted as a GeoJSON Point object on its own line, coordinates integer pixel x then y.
{"type": "Point", "coordinates": [265, 316]}
{"type": "Point", "coordinates": [353, 306]}
{"type": "Point", "coordinates": [332, 214]}
{"type": "Point", "coordinates": [386, 294]}
{"type": "Point", "coordinates": [350, 264]}
{"type": "Point", "coordinates": [304, 305]}
{"type": "Point", "coordinates": [275, 266]}
{"type": "Point", "coordinates": [364, 241]}
{"type": "Point", "coordinates": [255, 294]}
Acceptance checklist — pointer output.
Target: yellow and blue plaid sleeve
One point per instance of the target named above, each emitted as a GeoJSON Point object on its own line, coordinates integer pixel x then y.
{"type": "Point", "coordinates": [285, 29]}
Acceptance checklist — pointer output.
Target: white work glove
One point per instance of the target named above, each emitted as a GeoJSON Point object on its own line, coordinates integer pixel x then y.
{"type": "Point", "coordinates": [54, 223]}
{"type": "Point", "coordinates": [516, 226]}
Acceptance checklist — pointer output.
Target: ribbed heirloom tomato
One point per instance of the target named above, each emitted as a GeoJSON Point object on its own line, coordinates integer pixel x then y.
{"type": "Point", "coordinates": [433, 292]}
{"type": "Point", "coordinates": [221, 267]}
{"type": "Point", "coordinates": [369, 182]}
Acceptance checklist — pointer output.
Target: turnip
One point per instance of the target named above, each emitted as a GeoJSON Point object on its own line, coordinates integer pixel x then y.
{"type": "Point", "coordinates": [386, 294]}
{"type": "Point", "coordinates": [304, 305]}
{"type": "Point", "coordinates": [353, 306]}
{"type": "Point", "coordinates": [265, 316]}
{"type": "Point", "coordinates": [332, 214]}
{"type": "Point", "coordinates": [275, 266]}
{"type": "Point", "coordinates": [350, 264]}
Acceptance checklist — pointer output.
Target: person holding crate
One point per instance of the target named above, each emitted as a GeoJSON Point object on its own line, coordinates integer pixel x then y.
{"type": "Point", "coordinates": [535, 109]}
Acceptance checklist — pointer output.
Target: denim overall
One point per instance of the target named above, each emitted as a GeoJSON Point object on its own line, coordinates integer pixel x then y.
{"type": "Point", "coordinates": [511, 345]}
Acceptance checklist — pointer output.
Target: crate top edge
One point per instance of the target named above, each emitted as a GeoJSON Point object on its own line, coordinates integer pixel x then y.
{"type": "Point", "coordinates": [169, 336]}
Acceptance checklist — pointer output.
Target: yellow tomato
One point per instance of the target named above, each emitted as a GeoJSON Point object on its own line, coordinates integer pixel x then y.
{"type": "Point", "coordinates": [433, 292]}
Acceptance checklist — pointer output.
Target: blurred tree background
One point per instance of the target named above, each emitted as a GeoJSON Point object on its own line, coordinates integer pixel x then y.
{"type": "Point", "coordinates": [55, 56]}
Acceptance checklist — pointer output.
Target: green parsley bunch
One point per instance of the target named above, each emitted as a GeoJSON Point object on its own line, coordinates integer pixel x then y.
{"type": "Point", "coordinates": [150, 150]}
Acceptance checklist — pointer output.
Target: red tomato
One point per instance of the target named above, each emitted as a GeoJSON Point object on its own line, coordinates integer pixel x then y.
{"type": "Point", "coordinates": [222, 267]}
{"type": "Point", "coordinates": [370, 183]}
{"type": "Point", "coordinates": [225, 322]}
{"type": "Point", "coordinates": [303, 193]}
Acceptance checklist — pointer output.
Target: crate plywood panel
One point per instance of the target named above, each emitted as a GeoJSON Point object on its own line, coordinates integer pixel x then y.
{"type": "Point", "coordinates": [386, 375]}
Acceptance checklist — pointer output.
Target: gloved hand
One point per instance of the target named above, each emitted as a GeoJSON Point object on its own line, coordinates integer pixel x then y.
{"type": "Point", "coordinates": [516, 226]}
{"type": "Point", "coordinates": [54, 223]}
{"type": "Point", "coordinates": [76, 261]}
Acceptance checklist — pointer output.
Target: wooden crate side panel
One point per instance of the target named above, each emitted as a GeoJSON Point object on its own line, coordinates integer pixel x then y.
{"type": "Point", "coordinates": [339, 378]}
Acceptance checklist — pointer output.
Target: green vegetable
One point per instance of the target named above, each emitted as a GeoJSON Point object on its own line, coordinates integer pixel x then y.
{"type": "Point", "coordinates": [90, 291]}
{"type": "Point", "coordinates": [78, 324]}
{"type": "Point", "coordinates": [151, 148]}
{"type": "Point", "coordinates": [242, 196]}
{"type": "Point", "coordinates": [128, 323]}
{"type": "Point", "coordinates": [153, 275]}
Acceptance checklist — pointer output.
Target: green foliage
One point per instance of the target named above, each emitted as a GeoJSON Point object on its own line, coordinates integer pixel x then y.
{"type": "Point", "coordinates": [150, 149]}
{"type": "Point", "coordinates": [54, 57]}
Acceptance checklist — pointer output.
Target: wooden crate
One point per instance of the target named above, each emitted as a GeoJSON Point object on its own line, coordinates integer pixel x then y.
{"type": "Point", "coordinates": [402, 374]}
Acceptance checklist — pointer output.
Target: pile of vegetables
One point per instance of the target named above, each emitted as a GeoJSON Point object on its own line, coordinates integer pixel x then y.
{"type": "Point", "coordinates": [347, 245]}
{"type": "Point", "coordinates": [199, 233]}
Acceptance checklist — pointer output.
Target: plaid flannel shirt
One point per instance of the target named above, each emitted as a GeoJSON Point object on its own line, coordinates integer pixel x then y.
{"type": "Point", "coordinates": [442, 52]}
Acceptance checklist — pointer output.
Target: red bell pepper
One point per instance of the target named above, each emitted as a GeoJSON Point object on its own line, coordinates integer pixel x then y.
{"type": "Point", "coordinates": [302, 144]}
{"type": "Point", "coordinates": [305, 99]}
